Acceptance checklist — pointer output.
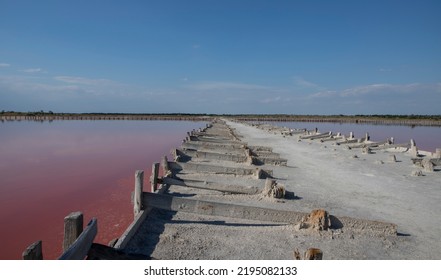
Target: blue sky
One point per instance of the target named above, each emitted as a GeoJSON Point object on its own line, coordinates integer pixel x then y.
{"type": "Point", "coordinates": [290, 57]}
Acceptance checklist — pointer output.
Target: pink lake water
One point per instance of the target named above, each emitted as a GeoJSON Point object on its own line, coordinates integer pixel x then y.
{"type": "Point", "coordinates": [49, 169]}
{"type": "Point", "coordinates": [427, 138]}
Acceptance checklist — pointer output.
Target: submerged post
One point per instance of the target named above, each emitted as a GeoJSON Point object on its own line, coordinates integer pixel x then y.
{"type": "Point", "coordinates": [139, 185]}
{"type": "Point", "coordinates": [154, 176]}
{"type": "Point", "coordinates": [34, 251]}
{"type": "Point", "coordinates": [73, 227]}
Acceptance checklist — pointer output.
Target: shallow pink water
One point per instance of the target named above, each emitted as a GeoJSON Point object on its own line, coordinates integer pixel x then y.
{"type": "Point", "coordinates": [48, 170]}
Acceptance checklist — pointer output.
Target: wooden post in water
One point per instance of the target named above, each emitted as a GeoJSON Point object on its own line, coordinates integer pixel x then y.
{"type": "Point", "coordinates": [139, 185]}
{"type": "Point", "coordinates": [34, 251]}
{"type": "Point", "coordinates": [80, 248]}
{"type": "Point", "coordinates": [73, 227]}
{"type": "Point", "coordinates": [154, 176]}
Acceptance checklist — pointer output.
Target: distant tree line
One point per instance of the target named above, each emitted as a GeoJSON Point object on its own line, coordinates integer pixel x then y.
{"type": "Point", "coordinates": [248, 116]}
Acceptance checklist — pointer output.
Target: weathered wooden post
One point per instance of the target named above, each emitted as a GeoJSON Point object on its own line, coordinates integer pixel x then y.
{"type": "Point", "coordinates": [175, 154]}
{"type": "Point", "coordinates": [269, 184]}
{"type": "Point", "coordinates": [165, 167]}
{"type": "Point", "coordinates": [258, 173]}
{"type": "Point", "coordinates": [81, 247]}
{"type": "Point", "coordinates": [427, 165]}
{"type": "Point", "coordinates": [73, 227]}
{"type": "Point", "coordinates": [250, 160]}
{"type": "Point", "coordinates": [139, 185]}
{"type": "Point", "coordinates": [413, 148]}
{"type": "Point", "coordinates": [438, 153]}
{"type": "Point", "coordinates": [154, 176]}
{"type": "Point", "coordinates": [34, 251]}
{"type": "Point", "coordinates": [366, 150]}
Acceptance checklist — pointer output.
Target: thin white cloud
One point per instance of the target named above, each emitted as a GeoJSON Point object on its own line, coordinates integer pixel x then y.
{"type": "Point", "coordinates": [324, 94]}
{"type": "Point", "coordinates": [48, 87]}
{"type": "Point", "coordinates": [32, 70]}
{"type": "Point", "coordinates": [5, 64]}
{"type": "Point", "coordinates": [84, 81]}
{"type": "Point", "coordinates": [25, 88]}
{"type": "Point", "coordinates": [196, 46]}
{"type": "Point", "coordinates": [300, 82]}
{"type": "Point", "coordinates": [215, 86]}
{"type": "Point", "coordinates": [413, 98]}
{"type": "Point", "coordinates": [271, 100]}
{"type": "Point", "coordinates": [385, 89]}
{"type": "Point", "coordinates": [366, 89]}
{"type": "Point", "coordinates": [84, 94]}
{"type": "Point", "coordinates": [389, 89]}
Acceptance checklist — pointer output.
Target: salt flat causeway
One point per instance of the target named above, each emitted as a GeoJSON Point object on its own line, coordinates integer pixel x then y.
{"type": "Point", "coordinates": [355, 200]}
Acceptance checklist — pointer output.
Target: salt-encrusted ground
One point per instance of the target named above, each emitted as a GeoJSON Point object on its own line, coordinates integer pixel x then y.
{"type": "Point", "coordinates": [322, 175]}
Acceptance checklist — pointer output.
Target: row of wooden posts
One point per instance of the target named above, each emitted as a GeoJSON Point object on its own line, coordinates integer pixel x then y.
{"type": "Point", "coordinates": [427, 162]}
{"type": "Point", "coordinates": [76, 242]}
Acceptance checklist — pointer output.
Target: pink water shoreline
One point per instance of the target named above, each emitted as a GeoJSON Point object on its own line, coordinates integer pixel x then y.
{"type": "Point", "coordinates": [48, 170]}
